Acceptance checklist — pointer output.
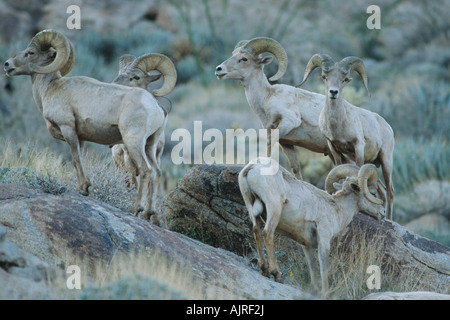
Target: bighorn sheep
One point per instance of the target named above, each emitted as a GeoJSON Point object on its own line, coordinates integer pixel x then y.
{"type": "Point", "coordinates": [133, 72]}
{"type": "Point", "coordinates": [358, 134]}
{"type": "Point", "coordinates": [294, 112]}
{"type": "Point", "coordinates": [305, 213]}
{"type": "Point", "coordinates": [79, 109]}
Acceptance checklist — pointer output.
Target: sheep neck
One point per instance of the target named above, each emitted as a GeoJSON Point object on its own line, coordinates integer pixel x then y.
{"type": "Point", "coordinates": [336, 117]}
{"type": "Point", "coordinates": [40, 82]}
{"type": "Point", "coordinates": [347, 208]}
{"type": "Point", "coordinates": [257, 89]}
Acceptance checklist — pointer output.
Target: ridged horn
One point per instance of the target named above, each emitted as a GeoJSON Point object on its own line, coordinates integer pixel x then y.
{"type": "Point", "coordinates": [264, 44]}
{"type": "Point", "coordinates": [161, 63]}
{"type": "Point", "coordinates": [354, 63]}
{"type": "Point", "coordinates": [368, 175]}
{"type": "Point", "coordinates": [240, 44]}
{"type": "Point", "coordinates": [340, 172]}
{"type": "Point", "coordinates": [70, 62]}
{"type": "Point", "coordinates": [47, 39]}
{"type": "Point", "coordinates": [125, 60]}
{"type": "Point", "coordinates": [319, 60]}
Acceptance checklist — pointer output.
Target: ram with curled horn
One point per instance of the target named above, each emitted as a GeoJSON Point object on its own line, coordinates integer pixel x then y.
{"type": "Point", "coordinates": [293, 112]}
{"type": "Point", "coordinates": [305, 213]}
{"type": "Point", "coordinates": [80, 108]}
{"type": "Point", "coordinates": [353, 133]}
{"type": "Point", "coordinates": [135, 72]}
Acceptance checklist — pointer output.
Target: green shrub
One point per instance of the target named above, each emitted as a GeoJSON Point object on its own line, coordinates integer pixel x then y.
{"type": "Point", "coordinates": [419, 109]}
{"type": "Point", "coordinates": [418, 160]}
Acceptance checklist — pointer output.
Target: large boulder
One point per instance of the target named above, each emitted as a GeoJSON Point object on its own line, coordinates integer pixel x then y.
{"type": "Point", "coordinates": [208, 205]}
{"type": "Point", "coordinates": [207, 200]}
{"type": "Point", "coordinates": [41, 231]}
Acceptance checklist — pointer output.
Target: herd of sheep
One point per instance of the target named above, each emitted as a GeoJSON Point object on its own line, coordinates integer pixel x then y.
{"type": "Point", "coordinates": [124, 115]}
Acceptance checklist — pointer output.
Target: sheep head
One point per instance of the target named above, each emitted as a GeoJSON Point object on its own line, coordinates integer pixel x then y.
{"type": "Point", "coordinates": [335, 75]}
{"type": "Point", "coordinates": [247, 56]}
{"type": "Point", "coordinates": [361, 181]}
{"type": "Point", "coordinates": [134, 72]}
{"type": "Point", "coordinates": [48, 52]}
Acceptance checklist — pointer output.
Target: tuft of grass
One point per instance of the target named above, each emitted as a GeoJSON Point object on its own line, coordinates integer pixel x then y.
{"type": "Point", "coordinates": [350, 257]}
{"type": "Point", "coordinates": [136, 276]}
{"type": "Point", "coordinates": [41, 167]}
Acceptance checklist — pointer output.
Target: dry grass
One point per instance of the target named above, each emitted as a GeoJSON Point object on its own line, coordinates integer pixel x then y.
{"type": "Point", "coordinates": [133, 276]}
{"type": "Point", "coordinates": [350, 257]}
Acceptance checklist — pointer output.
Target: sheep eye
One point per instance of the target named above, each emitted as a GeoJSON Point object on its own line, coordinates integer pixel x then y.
{"type": "Point", "coordinates": [346, 80]}
{"type": "Point", "coordinates": [136, 77]}
{"type": "Point", "coordinates": [243, 59]}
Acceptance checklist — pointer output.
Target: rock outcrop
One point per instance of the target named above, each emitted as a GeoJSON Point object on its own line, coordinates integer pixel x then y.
{"type": "Point", "coordinates": [208, 205]}
{"type": "Point", "coordinates": [41, 231]}
{"type": "Point", "coordinates": [42, 234]}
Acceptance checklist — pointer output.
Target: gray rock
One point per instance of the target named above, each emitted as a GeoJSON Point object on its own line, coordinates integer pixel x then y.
{"type": "Point", "coordinates": [61, 230]}
{"type": "Point", "coordinates": [208, 205]}
{"type": "Point", "coordinates": [415, 295]}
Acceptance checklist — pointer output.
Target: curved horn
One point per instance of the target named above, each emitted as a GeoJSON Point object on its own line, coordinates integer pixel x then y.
{"type": "Point", "coordinates": [125, 60]}
{"type": "Point", "coordinates": [319, 60]}
{"type": "Point", "coordinates": [338, 173]}
{"type": "Point", "coordinates": [52, 39]}
{"type": "Point", "coordinates": [240, 44]}
{"type": "Point", "coordinates": [264, 44]}
{"type": "Point", "coordinates": [70, 62]}
{"type": "Point", "coordinates": [156, 61]}
{"type": "Point", "coordinates": [367, 175]}
{"type": "Point", "coordinates": [354, 63]}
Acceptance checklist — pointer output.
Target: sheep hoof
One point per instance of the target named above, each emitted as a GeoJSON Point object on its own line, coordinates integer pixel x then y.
{"type": "Point", "coordinates": [84, 188]}
{"type": "Point", "coordinates": [136, 209]}
{"type": "Point", "coordinates": [265, 270]}
{"type": "Point", "coordinates": [277, 275]}
{"type": "Point", "coordinates": [83, 192]}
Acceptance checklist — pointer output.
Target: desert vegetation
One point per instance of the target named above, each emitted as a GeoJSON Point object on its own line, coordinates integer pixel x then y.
{"type": "Point", "coordinates": [407, 63]}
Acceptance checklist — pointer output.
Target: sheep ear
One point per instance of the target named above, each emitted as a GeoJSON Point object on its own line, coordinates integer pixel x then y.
{"type": "Point", "coordinates": [265, 60]}
{"type": "Point", "coordinates": [154, 77]}
{"type": "Point", "coordinates": [337, 186]}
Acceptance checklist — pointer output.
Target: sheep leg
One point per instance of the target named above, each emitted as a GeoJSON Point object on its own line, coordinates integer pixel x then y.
{"type": "Point", "coordinates": [359, 154]}
{"type": "Point", "coordinates": [312, 265]}
{"type": "Point", "coordinates": [130, 168]}
{"type": "Point", "coordinates": [279, 127]}
{"type": "Point", "coordinates": [255, 208]}
{"type": "Point", "coordinates": [386, 167]}
{"type": "Point", "coordinates": [273, 218]}
{"type": "Point", "coordinates": [291, 155]}
{"type": "Point", "coordinates": [323, 254]}
{"type": "Point", "coordinates": [137, 155]}
{"type": "Point", "coordinates": [152, 147]}
{"type": "Point", "coordinates": [71, 138]}
{"type": "Point", "coordinates": [336, 156]}
{"type": "Point", "coordinates": [259, 246]}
